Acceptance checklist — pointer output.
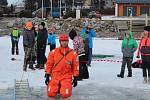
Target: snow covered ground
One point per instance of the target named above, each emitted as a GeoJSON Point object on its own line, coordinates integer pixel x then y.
{"type": "Point", "coordinates": [102, 84]}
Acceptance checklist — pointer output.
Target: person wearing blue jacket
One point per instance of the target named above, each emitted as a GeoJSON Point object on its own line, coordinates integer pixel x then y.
{"type": "Point", "coordinates": [90, 34]}
{"type": "Point", "coordinates": [52, 39]}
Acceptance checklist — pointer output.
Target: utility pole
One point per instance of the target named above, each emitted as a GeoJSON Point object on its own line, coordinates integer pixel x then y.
{"type": "Point", "coordinates": [99, 4]}
{"type": "Point", "coordinates": [65, 7]}
{"type": "Point", "coordinates": [51, 1]}
{"type": "Point", "coordinates": [36, 5]}
{"type": "Point", "coordinates": [42, 9]}
{"type": "Point", "coordinates": [131, 19]}
{"type": "Point", "coordinates": [72, 5]}
{"type": "Point", "coordinates": [60, 8]}
{"type": "Point", "coordinates": [146, 19]}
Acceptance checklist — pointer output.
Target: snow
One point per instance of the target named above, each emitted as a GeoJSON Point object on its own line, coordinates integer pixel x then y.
{"type": "Point", "coordinates": [102, 74]}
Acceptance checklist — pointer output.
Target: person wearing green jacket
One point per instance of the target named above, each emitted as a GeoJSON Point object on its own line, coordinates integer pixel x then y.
{"type": "Point", "coordinates": [129, 46]}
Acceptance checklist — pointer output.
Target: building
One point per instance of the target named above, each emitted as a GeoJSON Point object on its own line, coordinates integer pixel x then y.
{"type": "Point", "coordinates": [19, 8]}
{"type": "Point", "coordinates": [134, 7]}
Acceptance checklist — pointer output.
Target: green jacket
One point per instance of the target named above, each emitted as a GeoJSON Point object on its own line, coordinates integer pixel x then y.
{"type": "Point", "coordinates": [15, 35]}
{"type": "Point", "coordinates": [129, 46]}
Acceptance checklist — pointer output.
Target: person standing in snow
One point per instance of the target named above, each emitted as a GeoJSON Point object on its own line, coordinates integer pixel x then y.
{"type": "Point", "coordinates": [15, 35]}
{"type": "Point", "coordinates": [61, 65]}
{"type": "Point", "coordinates": [52, 38]}
{"type": "Point", "coordinates": [89, 33]}
{"type": "Point", "coordinates": [144, 52]}
{"type": "Point", "coordinates": [78, 44]}
{"type": "Point", "coordinates": [35, 29]}
{"type": "Point", "coordinates": [41, 46]}
{"type": "Point", "coordinates": [28, 44]}
{"type": "Point", "coordinates": [129, 46]}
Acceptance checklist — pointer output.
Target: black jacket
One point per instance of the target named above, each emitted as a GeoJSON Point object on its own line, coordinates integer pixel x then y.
{"type": "Point", "coordinates": [28, 38]}
{"type": "Point", "coordinates": [42, 37]}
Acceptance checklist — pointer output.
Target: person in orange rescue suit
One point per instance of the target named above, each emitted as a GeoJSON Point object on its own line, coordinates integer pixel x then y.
{"type": "Point", "coordinates": [144, 52]}
{"type": "Point", "coordinates": [62, 65]}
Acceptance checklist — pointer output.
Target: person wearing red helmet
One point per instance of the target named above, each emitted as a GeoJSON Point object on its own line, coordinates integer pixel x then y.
{"type": "Point", "coordinates": [62, 64]}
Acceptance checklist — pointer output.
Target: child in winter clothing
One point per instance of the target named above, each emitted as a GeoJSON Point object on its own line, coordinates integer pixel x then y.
{"type": "Point", "coordinates": [52, 39]}
{"type": "Point", "coordinates": [79, 47]}
{"type": "Point", "coordinates": [129, 46]}
{"type": "Point", "coordinates": [41, 46]}
{"type": "Point", "coordinates": [28, 44]}
{"type": "Point", "coordinates": [91, 33]}
{"type": "Point", "coordinates": [144, 51]}
{"type": "Point", "coordinates": [15, 35]}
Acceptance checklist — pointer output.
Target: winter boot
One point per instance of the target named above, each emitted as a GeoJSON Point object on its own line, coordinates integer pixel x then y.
{"type": "Point", "coordinates": [37, 66]}
{"type": "Point", "coordinates": [24, 68]}
{"type": "Point", "coordinates": [17, 52]}
{"type": "Point", "coordinates": [31, 67]}
{"type": "Point", "coordinates": [145, 80]}
{"type": "Point", "coordinates": [129, 74]}
{"type": "Point", "coordinates": [121, 74]}
{"type": "Point", "coordinates": [12, 51]}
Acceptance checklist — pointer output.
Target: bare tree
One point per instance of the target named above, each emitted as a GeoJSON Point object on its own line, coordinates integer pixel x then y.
{"type": "Point", "coordinates": [3, 2]}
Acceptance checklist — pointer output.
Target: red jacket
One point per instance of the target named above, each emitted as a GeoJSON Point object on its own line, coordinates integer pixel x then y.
{"type": "Point", "coordinates": [144, 47]}
{"type": "Point", "coordinates": [67, 67]}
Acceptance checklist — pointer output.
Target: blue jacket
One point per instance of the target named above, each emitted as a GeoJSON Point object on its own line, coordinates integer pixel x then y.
{"type": "Point", "coordinates": [52, 38]}
{"type": "Point", "coordinates": [91, 34]}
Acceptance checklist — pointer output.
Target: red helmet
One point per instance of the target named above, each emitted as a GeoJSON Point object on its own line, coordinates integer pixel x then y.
{"type": "Point", "coordinates": [63, 37]}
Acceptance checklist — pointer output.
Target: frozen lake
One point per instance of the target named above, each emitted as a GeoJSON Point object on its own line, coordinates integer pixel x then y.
{"type": "Point", "coordinates": [103, 83]}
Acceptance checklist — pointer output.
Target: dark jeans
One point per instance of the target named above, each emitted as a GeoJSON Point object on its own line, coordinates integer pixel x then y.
{"type": "Point", "coordinates": [145, 72]}
{"type": "Point", "coordinates": [146, 65]}
{"type": "Point", "coordinates": [52, 46]}
{"type": "Point", "coordinates": [14, 47]}
{"type": "Point", "coordinates": [41, 58]}
{"type": "Point", "coordinates": [128, 61]}
{"type": "Point", "coordinates": [83, 69]}
{"type": "Point", "coordinates": [89, 56]}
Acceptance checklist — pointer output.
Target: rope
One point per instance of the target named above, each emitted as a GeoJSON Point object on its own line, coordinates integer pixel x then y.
{"type": "Point", "coordinates": [107, 60]}
{"type": "Point", "coordinates": [21, 78]}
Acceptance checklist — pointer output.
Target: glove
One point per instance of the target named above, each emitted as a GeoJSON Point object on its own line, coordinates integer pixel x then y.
{"type": "Point", "coordinates": [25, 45]}
{"type": "Point", "coordinates": [86, 32]}
{"type": "Point", "coordinates": [75, 82]}
{"type": "Point", "coordinates": [47, 78]}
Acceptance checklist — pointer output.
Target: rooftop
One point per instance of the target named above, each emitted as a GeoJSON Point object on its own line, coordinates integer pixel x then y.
{"type": "Point", "coordinates": [132, 1]}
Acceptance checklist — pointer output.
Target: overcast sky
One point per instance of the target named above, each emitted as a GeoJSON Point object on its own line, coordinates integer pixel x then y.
{"type": "Point", "coordinates": [14, 1]}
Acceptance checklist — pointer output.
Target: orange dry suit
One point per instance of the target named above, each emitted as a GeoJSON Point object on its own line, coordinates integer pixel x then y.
{"type": "Point", "coordinates": [61, 74]}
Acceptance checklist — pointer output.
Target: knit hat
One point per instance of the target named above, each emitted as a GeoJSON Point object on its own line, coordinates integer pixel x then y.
{"type": "Point", "coordinates": [43, 24]}
{"type": "Point", "coordinates": [72, 34]}
{"type": "Point", "coordinates": [147, 28]}
{"type": "Point", "coordinates": [29, 25]}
